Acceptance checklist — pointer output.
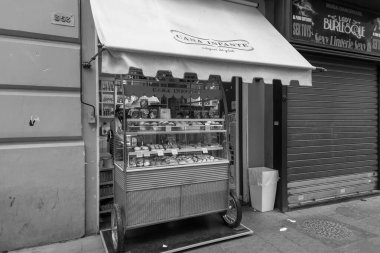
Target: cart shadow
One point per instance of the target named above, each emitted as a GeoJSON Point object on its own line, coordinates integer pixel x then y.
{"type": "Point", "coordinates": [177, 235]}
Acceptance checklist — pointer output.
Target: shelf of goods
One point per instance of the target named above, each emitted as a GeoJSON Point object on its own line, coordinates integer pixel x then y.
{"type": "Point", "coordinates": [105, 169]}
{"type": "Point", "coordinates": [106, 99]}
{"type": "Point", "coordinates": [106, 211]}
{"type": "Point", "coordinates": [106, 190]}
{"type": "Point", "coordinates": [105, 177]}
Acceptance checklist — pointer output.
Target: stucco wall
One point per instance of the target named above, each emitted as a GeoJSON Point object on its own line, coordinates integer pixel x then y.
{"type": "Point", "coordinates": [41, 146]}
{"type": "Point", "coordinates": [41, 193]}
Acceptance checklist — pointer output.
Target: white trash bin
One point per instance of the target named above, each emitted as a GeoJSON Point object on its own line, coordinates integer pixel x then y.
{"type": "Point", "coordinates": [262, 187]}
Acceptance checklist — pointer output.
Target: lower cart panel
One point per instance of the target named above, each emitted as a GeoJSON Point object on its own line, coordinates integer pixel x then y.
{"type": "Point", "coordinates": [150, 206]}
{"type": "Point", "coordinates": [183, 193]}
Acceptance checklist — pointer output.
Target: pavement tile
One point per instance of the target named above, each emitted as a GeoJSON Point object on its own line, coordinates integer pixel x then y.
{"type": "Point", "coordinates": [353, 211]}
{"type": "Point", "coordinates": [326, 209]}
{"type": "Point", "coordinates": [267, 226]}
{"type": "Point", "coordinates": [345, 218]}
{"type": "Point", "coordinates": [253, 245]}
{"type": "Point", "coordinates": [87, 244]}
{"type": "Point", "coordinates": [294, 214]}
{"type": "Point", "coordinates": [368, 224]}
{"type": "Point", "coordinates": [373, 221]}
{"type": "Point", "coordinates": [237, 242]}
{"type": "Point", "coordinates": [368, 206]}
{"type": "Point", "coordinates": [250, 244]}
{"type": "Point", "coordinates": [363, 246]}
{"type": "Point", "coordinates": [281, 242]}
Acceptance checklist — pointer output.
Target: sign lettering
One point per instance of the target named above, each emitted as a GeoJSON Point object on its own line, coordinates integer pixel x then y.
{"type": "Point", "coordinates": [227, 46]}
{"type": "Point", "coordinates": [331, 25]}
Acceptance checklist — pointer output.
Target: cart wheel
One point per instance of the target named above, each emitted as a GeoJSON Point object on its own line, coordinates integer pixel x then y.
{"type": "Point", "coordinates": [117, 228]}
{"type": "Point", "coordinates": [232, 217]}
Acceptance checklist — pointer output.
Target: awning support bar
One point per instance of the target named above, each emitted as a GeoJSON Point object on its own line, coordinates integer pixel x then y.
{"type": "Point", "coordinates": [87, 64]}
{"type": "Point", "coordinates": [320, 69]}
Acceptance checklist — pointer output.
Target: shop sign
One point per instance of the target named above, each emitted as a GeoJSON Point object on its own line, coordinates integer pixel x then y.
{"type": "Point", "coordinates": [228, 46]}
{"type": "Point", "coordinates": [331, 25]}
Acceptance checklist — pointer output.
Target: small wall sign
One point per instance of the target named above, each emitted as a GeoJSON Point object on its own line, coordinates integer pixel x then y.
{"type": "Point", "coordinates": [59, 18]}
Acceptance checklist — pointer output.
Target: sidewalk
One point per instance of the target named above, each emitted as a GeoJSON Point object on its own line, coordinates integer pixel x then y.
{"type": "Point", "coordinates": [352, 226]}
{"type": "Point", "coordinates": [90, 244]}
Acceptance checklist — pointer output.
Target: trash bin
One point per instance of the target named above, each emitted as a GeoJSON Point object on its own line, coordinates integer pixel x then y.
{"type": "Point", "coordinates": [262, 187]}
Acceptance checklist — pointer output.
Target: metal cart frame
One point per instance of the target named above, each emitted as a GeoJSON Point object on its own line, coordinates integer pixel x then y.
{"type": "Point", "coordinates": [145, 197]}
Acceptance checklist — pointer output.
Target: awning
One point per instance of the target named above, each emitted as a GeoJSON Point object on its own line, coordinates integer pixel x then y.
{"type": "Point", "coordinates": [206, 37]}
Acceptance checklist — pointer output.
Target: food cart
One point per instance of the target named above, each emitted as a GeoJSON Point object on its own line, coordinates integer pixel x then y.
{"type": "Point", "coordinates": [170, 154]}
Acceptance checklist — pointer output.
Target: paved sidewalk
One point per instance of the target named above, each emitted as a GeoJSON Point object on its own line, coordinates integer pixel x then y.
{"type": "Point", "coordinates": [90, 244]}
{"type": "Point", "coordinates": [352, 226]}
{"type": "Point", "coordinates": [344, 227]}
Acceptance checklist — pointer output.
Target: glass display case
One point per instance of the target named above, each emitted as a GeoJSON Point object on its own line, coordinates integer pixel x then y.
{"type": "Point", "coordinates": [170, 152]}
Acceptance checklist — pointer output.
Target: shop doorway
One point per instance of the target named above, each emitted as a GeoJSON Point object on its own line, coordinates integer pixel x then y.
{"type": "Point", "coordinates": [233, 93]}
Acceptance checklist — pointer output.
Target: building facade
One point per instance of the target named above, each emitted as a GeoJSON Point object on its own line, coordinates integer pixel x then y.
{"type": "Point", "coordinates": [323, 139]}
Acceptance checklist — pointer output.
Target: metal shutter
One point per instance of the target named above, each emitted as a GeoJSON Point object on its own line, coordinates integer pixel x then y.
{"type": "Point", "coordinates": [333, 133]}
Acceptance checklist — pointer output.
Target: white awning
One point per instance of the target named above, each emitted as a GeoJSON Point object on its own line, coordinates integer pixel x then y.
{"type": "Point", "coordinates": [201, 36]}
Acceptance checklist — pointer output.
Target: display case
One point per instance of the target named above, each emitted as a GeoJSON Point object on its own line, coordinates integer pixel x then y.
{"type": "Point", "coordinates": [170, 152]}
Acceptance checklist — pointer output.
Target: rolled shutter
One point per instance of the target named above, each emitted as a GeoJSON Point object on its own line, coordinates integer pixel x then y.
{"type": "Point", "coordinates": [333, 133]}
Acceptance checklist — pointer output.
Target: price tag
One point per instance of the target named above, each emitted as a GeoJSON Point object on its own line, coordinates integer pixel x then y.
{"type": "Point", "coordinates": [160, 152]}
{"type": "Point", "coordinates": [147, 154]}
{"type": "Point", "coordinates": [168, 128]}
{"type": "Point", "coordinates": [139, 154]}
{"type": "Point", "coordinates": [174, 151]}
{"type": "Point", "coordinates": [207, 128]}
{"type": "Point", "coordinates": [204, 150]}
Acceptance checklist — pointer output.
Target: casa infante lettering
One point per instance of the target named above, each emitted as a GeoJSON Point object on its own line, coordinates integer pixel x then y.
{"type": "Point", "coordinates": [212, 43]}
